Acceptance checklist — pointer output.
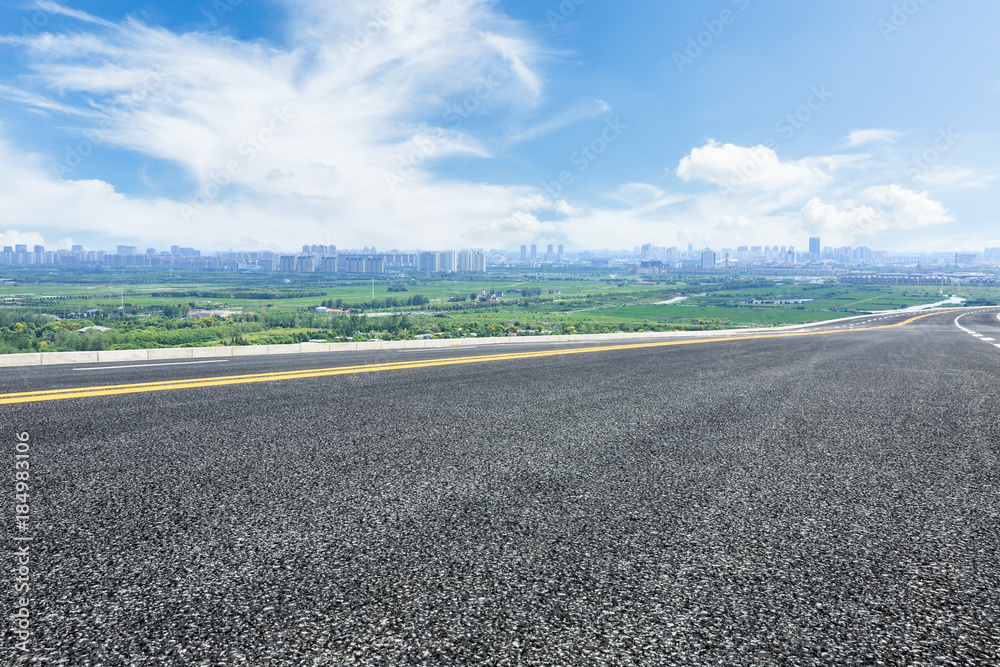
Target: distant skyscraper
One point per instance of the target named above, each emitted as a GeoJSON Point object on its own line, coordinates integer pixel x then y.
{"type": "Point", "coordinates": [550, 250]}
{"type": "Point", "coordinates": [814, 245]}
{"type": "Point", "coordinates": [472, 261]}
{"type": "Point", "coordinates": [429, 262]}
{"type": "Point", "coordinates": [524, 253]}
{"type": "Point", "coordinates": [448, 261]}
{"type": "Point", "coordinates": [562, 253]}
{"type": "Point", "coordinates": [534, 252]}
{"type": "Point", "coordinates": [708, 260]}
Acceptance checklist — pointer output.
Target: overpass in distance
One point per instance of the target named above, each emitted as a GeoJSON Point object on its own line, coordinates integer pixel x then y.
{"type": "Point", "coordinates": [826, 496]}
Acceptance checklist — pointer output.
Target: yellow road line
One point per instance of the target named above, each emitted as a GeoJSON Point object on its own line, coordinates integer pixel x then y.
{"type": "Point", "coordinates": [171, 385]}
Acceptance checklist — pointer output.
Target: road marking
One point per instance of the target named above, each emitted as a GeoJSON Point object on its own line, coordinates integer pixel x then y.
{"type": "Point", "coordinates": [169, 363]}
{"type": "Point", "coordinates": [171, 385]}
{"type": "Point", "coordinates": [989, 340]}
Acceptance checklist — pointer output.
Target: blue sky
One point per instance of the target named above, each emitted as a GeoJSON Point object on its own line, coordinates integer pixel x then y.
{"type": "Point", "coordinates": [461, 123]}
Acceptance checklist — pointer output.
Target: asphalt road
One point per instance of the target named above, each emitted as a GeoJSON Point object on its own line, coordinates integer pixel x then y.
{"type": "Point", "coordinates": [821, 499]}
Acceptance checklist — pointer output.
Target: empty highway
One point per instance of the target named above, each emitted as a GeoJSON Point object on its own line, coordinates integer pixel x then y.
{"type": "Point", "coordinates": [822, 497]}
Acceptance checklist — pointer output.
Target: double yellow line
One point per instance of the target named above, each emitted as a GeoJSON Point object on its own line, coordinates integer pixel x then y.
{"type": "Point", "coordinates": [171, 385]}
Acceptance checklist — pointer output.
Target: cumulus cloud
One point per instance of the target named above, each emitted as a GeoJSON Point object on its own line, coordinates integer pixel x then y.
{"type": "Point", "coordinates": [908, 209]}
{"type": "Point", "coordinates": [882, 208]}
{"type": "Point", "coordinates": [13, 237]}
{"type": "Point", "coordinates": [734, 167]}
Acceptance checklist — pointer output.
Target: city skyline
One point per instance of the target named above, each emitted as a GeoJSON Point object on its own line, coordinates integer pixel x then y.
{"type": "Point", "coordinates": [570, 123]}
{"type": "Point", "coordinates": [643, 259]}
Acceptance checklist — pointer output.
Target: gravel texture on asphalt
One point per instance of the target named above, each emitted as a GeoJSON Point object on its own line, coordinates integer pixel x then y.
{"type": "Point", "coordinates": [827, 500]}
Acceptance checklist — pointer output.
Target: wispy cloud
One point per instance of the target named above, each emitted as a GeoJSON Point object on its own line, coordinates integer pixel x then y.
{"type": "Point", "coordinates": [351, 111]}
{"type": "Point", "coordinates": [583, 111]}
{"type": "Point", "coordinates": [41, 102]}
{"type": "Point", "coordinates": [56, 8]}
{"type": "Point", "coordinates": [955, 177]}
{"type": "Point", "coordinates": [862, 137]}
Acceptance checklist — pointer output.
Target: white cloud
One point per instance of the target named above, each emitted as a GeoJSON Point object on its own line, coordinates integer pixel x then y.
{"type": "Point", "coordinates": [583, 111]}
{"type": "Point", "coordinates": [955, 177]}
{"type": "Point", "coordinates": [517, 52]}
{"type": "Point", "coordinates": [839, 226]}
{"type": "Point", "coordinates": [565, 208]}
{"type": "Point", "coordinates": [861, 137]}
{"type": "Point", "coordinates": [908, 209]}
{"type": "Point", "coordinates": [737, 168]}
{"type": "Point", "coordinates": [13, 237]}
{"type": "Point", "coordinates": [640, 193]}
{"type": "Point", "coordinates": [882, 208]}
{"type": "Point", "coordinates": [301, 139]}
{"type": "Point", "coordinates": [56, 8]}
{"type": "Point", "coordinates": [40, 102]}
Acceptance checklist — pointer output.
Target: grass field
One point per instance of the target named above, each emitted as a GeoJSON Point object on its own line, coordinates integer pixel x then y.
{"type": "Point", "coordinates": [281, 307]}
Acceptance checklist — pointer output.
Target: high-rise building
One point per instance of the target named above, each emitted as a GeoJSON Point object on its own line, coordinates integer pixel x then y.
{"type": "Point", "coordinates": [550, 250]}
{"type": "Point", "coordinates": [305, 264]}
{"type": "Point", "coordinates": [127, 250]}
{"type": "Point", "coordinates": [562, 253]}
{"type": "Point", "coordinates": [814, 246]}
{"type": "Point", "coordinates": [472, 261]}
{"type": "Point", "coordinates": [966, 258]}
{"type": "Point", "coordinates": [708, 260]}
{"type": "Point", "coordinates": [524, 253]}
{"type": "Point", "coordinates": [534, 252]}
{"type": "Point", "coordinates": [448, 262]}
{"type": "Point", "coordinates": [429, 262]}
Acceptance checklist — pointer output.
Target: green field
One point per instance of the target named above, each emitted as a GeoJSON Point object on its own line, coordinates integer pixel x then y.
{"type": "Point", "coordinates": [41, 310]}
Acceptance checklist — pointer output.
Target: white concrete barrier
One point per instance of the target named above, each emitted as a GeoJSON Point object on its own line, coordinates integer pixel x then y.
{"type": "Point", "coordinates": [26, 359]}
{"type": "Point", "coordinates": [173, 353]}
{"type": "Point", "coordinates": [292, 348]}
{"type": "Point", "coordinates": [249, 350]}
{"type": "Point", "coordinates": [68, 357]}
{"type": "Point", "coordinates": [123, 355]}
{"type": "Point", "coordinates": [202, 352]}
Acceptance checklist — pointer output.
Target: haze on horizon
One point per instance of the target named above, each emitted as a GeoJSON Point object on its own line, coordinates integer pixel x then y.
{"type": "Point", "coordinates": [468, 123]}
